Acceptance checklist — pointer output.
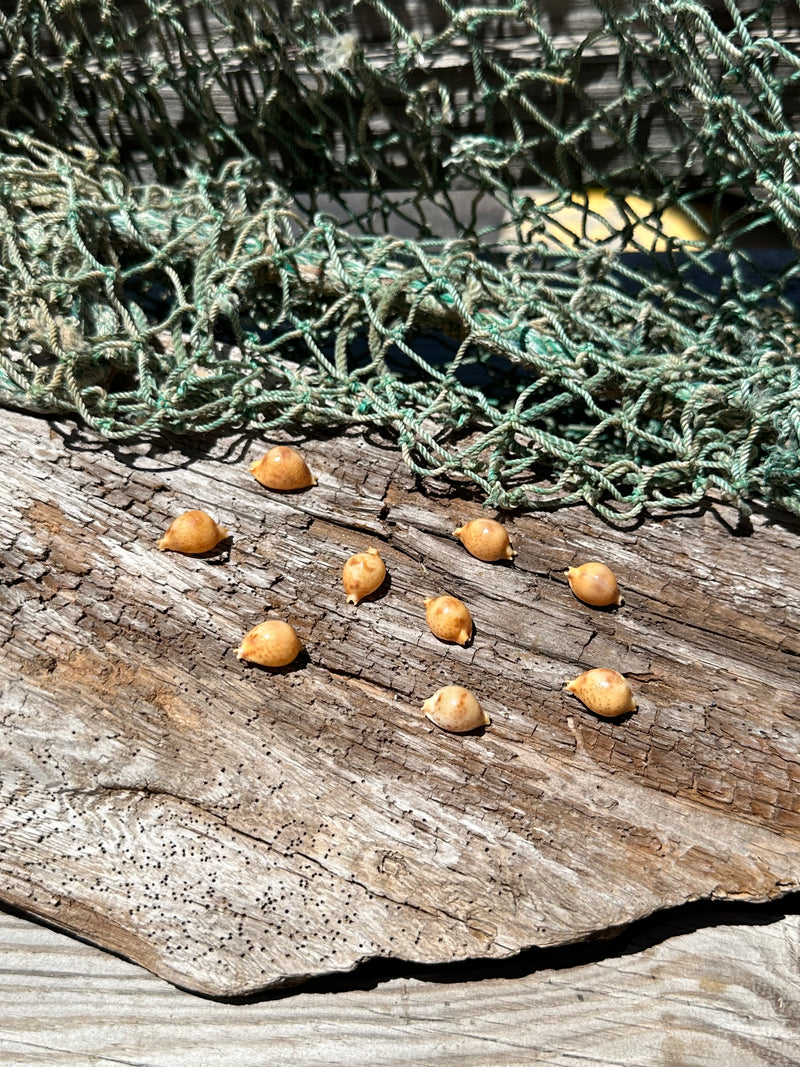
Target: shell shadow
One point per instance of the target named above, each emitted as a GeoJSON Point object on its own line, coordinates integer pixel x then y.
{"type": "Point", "coordinates": [299, 491]}
{"type": "Point", "coordinates": [216, 556]}
{"type": "Point", "coordinates": [458, 644]}
{"type": "Point", "coordinates": [603, 609]}
{"type": "Point", "coordinates": [479, 731]}
{"type": "Point", "coordinates": [613, 720]}
{"type": "Point", "coordinates": [220, 554]}
{"type": "Point", "coordinates": [377, 594]}
{"type": "Point", "coordinates": [299, 663]}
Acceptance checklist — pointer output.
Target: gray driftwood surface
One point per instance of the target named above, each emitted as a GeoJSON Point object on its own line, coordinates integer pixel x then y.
{"type": "Point", "coordinates": [673, 996]}
{"type": "Point", "coordinates": [234, 829]}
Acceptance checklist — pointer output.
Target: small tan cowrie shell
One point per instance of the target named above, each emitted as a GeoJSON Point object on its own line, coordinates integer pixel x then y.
{"type": "Point", "coordinates": [603, 691]}
{"type": "Point", "coordinates": [595, 584]}
{"type": "Point", "coordinates": [192, 533]}
{"type": "Point", "coordinates": [449, 619]}
{"type": "Point", "coordinates": [282, 469]}
{"type": "Point", "coordinates": [363, 574]}
{"type": "Point", "coordinates": [485, 539]}
{"type": "Point", "coordinates": [455, 709]}
{"type": "Point", "coordinates": [271, 644]}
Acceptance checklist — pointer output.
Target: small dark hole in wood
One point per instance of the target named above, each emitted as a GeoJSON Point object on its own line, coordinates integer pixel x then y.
{"type": "Point", "coordinates": [612, 944]}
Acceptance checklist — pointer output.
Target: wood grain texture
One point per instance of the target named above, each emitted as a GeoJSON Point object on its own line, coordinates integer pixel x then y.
{"type": "Point", "coordinates": [234, 829]}
{"type": "Point", "coordinates": [670, 996]}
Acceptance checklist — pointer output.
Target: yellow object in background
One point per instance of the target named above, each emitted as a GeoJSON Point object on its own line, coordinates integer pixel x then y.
{"type": "Point", "coordinates": [630, 224]}
{"type": "Point", "coordinates": [652, 228]}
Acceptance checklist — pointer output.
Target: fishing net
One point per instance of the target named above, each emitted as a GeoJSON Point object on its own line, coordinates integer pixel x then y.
{"type": "Point", "coordinates": [547, 248]}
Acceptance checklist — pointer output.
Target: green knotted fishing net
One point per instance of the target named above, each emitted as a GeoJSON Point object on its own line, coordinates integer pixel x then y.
{"type": "Point", "coordinates": [547, 248]}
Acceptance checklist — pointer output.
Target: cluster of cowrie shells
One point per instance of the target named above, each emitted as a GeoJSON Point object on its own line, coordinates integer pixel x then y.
{"type": "Point", "coordinates": [274, 643]}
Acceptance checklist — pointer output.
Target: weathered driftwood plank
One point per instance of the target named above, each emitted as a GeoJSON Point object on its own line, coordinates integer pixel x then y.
{"type": "Point", "coordinates": [695, 998]}
{"type": "Point", "coordinates": [233, 829]}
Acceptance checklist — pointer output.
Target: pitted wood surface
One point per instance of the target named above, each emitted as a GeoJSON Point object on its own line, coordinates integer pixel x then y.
{"type": "Point", "coordinates": [233, 829]}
